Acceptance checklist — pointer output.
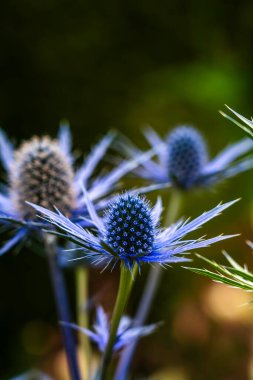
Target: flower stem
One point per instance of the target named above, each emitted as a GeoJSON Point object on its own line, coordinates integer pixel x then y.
{"type": "Point", "coordinates": [62, 306]}
{"type": "Point", "coordinates": [125, 286]}
{"type": "Point", "coordinates": [151, 286]}
{"type": "Point", "coordinates": [82, 317]}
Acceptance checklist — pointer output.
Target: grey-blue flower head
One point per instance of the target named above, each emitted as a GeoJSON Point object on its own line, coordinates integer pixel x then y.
{"type": "Point", "coordinates": [44, 175]}
{"type": "Point", "coordinates": [182, 159]}
{"type": "Point", "coordinates": [187, 156]}
{"type": "Point", "coordinates": [41, 171]}
{"type": "Point", "coordinates": [130, 233]}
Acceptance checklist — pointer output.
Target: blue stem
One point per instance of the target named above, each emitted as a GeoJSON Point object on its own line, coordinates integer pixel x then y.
{"type": "Point", "coordinates": [62, 305]}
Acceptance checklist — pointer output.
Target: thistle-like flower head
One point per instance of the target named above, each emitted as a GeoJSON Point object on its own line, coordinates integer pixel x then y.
{"type": "Point", "coordinates": [42, 174]}
{"type": "Point", "coordinates": [129, 226]}
{"type": "Point", "coordinates": [130, 233]}
{"type": "Point", "coordinates": [182, 159]}
{"type": "Point", "coordinates": [42, 171]}
{"type": "Point", "coordinates": [126, 333]}
{"type": "Point", "coordinates": [187, 156]}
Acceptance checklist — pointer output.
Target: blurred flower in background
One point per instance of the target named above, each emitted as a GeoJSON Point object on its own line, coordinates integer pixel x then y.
{"type": "Point", "coordinates": [183, 159]}
{"type": "Point", "coordinates": [100, 334]}
{"type": "Point", "coordinates": [41, 171]}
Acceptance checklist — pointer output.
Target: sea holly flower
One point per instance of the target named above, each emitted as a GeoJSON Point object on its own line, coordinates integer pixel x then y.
{"type": "Point", "coordinates": [126, 333]}
{"type": "Point", "coordinates": [42, 171]}
{"type": "Point", "coordinates": [129, 232]}
{"type": "Point", "coordinates": [182, 159]}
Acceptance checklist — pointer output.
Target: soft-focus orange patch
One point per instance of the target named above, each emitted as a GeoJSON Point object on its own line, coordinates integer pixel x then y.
{"type": "Point", "coordinates": [170, 374]}
{"type": "Point", "coordinates": [59, 369]}
{"type": "Point", "coordinates": [226, 303]}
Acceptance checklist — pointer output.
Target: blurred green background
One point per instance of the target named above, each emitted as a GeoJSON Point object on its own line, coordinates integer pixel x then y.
{"type": "Point", "coordinates": [122, 65]}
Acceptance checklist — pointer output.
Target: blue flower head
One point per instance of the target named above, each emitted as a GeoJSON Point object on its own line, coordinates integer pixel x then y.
{"type": "Point", "coordinates": [182, 159]}
{"type": "Point", "coordinates": [42, 171]}
{"type": "Point", "coordinates": [129, 226]}
{"type": "Point", "coordinates": [126, 333]}
{"type": "Point", "coordinates": [130, 233]}
{"type": "Point", "coordinates": [187, 156]}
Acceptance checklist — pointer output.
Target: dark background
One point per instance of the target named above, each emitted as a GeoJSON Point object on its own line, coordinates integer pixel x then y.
{"type": "Point", "coordinates": [124, 64]}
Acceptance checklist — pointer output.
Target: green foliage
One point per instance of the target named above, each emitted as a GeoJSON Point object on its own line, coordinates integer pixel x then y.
{"type": "Point", "coordinates": [248, 128]}
{"type": "Point", "coordinates": [234, 275]}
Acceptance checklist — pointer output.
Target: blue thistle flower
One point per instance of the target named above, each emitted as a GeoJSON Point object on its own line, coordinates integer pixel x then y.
{"type": "Point", "coordinates": [42, 171]}
{"type": "Point", "coordinates": [129, 226]}
{"type": "Point", "coordinates": [182, 160]}
{"type": "Point", "coordinates": [187, 156]}
{"type": "Point", "coordinates": [129, 232]}
{"type": "Point", "coordinates": [126, 333]}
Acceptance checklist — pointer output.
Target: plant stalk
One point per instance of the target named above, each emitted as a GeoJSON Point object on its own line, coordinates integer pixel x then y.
{"type": "Point", "coordinates": [82, 317]}
{"type": "Point", "coordinates": [125, 286]}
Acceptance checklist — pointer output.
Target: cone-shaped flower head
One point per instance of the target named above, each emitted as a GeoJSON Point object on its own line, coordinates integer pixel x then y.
{"type": "Point", "coordinates": [129, 226]}
{"type": "Point", "coordinates": [182, 159]}
{"type": "Point", "coordinates": [187, 156]}
{"type": "Point", "coordinates": [130, 233]}
{"type": "Point", "coordinates": [41, 171]}
{"type": "Point", "coordinates": [41, 174]}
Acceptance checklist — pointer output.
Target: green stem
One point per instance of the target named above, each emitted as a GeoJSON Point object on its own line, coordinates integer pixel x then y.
{"type": "Point", "coordinates": [151, 286]}
{"type": "Point", "coordinates": [82, 317]}
{"type": "Point", "coordinates": [125, 286]}
{"type": "Point", "coordinates": [173, 209]}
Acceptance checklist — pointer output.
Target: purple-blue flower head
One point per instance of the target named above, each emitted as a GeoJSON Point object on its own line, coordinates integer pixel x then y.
{"type": "Point", "coordinates": [187, 156]}
{"type": "Point", "coordinates": [129, 232]}
{"type": "Point", "coordinates": [42, 171]}
{"type": "Point", "coordinates": [182, 159]}
{"type": "Point", "coordinates": [129, 226]}
{"type": "Point", "coordinates": [126, 333]}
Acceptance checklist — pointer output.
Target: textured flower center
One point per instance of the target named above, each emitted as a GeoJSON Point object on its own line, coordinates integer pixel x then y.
{"type": "Point", "coordinates": [187, 155]}
{"type": "Point", "coordinates": [41, 174]}
{"type": "Point", "coordinates": [129, 226]}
